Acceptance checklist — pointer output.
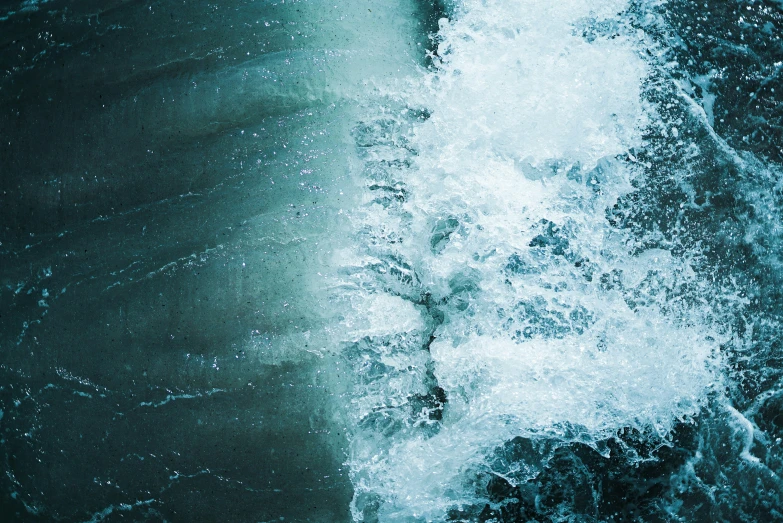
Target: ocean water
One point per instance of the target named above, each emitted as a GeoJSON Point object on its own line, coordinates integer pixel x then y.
{"type": "Point", "coordinates": [391, 261]}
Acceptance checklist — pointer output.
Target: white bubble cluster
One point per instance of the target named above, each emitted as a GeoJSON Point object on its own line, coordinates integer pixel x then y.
{"type": "Point", "coordinates": [544, 324]}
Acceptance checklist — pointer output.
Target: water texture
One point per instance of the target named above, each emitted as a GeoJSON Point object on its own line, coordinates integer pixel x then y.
{"type": "Point", "coordinates": [466, 261]}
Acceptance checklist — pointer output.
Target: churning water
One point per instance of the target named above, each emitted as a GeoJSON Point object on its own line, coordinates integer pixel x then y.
{"type": "Point", "coordinates": [568, 269]}
{"type": "Point", "coordinates": [472, 261]}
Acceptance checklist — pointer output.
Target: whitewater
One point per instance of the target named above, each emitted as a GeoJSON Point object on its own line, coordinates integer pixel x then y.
{"type": "Point", "coordinates": [391, 261]}
{"type": "Point", "coordinates": [513, 333]}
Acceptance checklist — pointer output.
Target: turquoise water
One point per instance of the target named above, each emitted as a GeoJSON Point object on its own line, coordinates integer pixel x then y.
{"type": "Point", "coordinates": [391, 261]}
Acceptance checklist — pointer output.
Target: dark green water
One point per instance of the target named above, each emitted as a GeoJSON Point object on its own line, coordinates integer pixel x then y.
{"type": "Point", "coordinates": [391, 261]}
{"type": "Point", "coordinates": [171, 177]}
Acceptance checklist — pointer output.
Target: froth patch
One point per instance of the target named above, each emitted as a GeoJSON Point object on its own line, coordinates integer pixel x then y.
{"type": "Point", "coordinates": [542, 323]}
{"type": "Point", "coordinates": [638, 372]}
{"type": "Point", "coordinates": [519, 80]}
{"type": "Point", "coordinates": [377, 315]}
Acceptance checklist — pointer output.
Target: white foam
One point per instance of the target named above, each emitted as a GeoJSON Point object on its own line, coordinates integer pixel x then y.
{"type": "Point", "coordinates": [534, 107]}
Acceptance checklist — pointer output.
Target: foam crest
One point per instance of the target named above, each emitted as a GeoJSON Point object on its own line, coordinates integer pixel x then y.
{"type": "Point", "coordinates": [487, 214]}
{"type": "Point", "coordinates": [521, 81]}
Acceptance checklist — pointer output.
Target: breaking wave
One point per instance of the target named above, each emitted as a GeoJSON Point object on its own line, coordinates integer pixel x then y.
{"type": "Point", "coordinates": [528, 335]}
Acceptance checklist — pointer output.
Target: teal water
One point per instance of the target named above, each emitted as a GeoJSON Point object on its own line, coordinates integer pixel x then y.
{"type": "Point", "coordinates": [173, 176]}
{"type": "Point", "coordinates": [475, 261]}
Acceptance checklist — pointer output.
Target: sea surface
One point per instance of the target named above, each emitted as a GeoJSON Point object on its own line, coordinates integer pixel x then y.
{"type": "Point", "coordinates": [391, 261]}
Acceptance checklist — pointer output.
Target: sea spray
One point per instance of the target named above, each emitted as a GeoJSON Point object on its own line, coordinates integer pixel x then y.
{"type": "Point", "coordinates": [488, 183]}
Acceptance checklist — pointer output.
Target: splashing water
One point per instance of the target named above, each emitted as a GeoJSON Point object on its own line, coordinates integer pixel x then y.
{"type": "Point", "coordinates": [497, 302]}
